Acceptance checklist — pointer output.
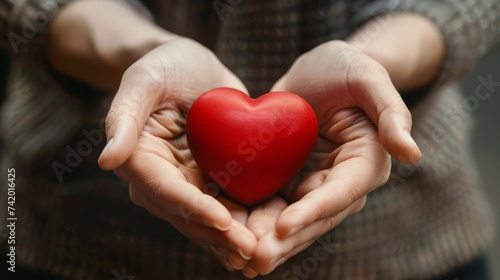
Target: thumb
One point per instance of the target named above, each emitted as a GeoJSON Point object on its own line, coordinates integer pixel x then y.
{"type": "Point", "coordinates": [394, 126]}
{"type": "Point", "coordinates": [382, 103]}
{"type": "Point", "coordinates": [129, 111]}
{"type": "Point", "coordinates": [384, 106]}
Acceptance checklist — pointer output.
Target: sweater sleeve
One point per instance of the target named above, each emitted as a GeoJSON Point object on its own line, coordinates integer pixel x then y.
{"type": "Point", "coordinates": [24, 23]}
{"type": "Point", "coordinates": [470, 27]}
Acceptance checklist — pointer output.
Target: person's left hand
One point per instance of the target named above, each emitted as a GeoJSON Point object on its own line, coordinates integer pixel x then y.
{"type": "Point", "coordinates": [362, 119]}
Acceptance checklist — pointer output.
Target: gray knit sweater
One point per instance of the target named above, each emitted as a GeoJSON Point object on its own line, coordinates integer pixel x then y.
{"type": "Point", "coordinates": [430, 218]}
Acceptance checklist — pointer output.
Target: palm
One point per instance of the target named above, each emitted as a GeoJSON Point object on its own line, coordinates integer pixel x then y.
{"type": "Point", "coordinates": [361, 118]}
{"type": "Point", "coordinates": [151, 152]}
{"type": "Point", "coordinates": [346, 141]}
{"type": "Point", "coordinates": [164, 137]}
{"type": "Point", "coordinates": [348, 147]}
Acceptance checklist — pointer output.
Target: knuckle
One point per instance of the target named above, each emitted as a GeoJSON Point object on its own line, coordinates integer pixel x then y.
{"type": "Point", "coordinates": [365, 72]}
{"type": "Point", "coordinates": [190, 44]}
{"type": "Point", "coordinates": [146, 75]}
{"type": "Point", "coordinates": [263, 257]}
{"type": "Point", "coordinates": [184, 226]}
{"type": "Point", "coordinates": [155, 191]}
{"type": "Point", "coordinates": [329, 224]}
{"type": "Point", "coordinates": [349, 192]}
{"type": "Point", "coordinates": [151, 189]}
{"type": "Point", "coordinates": [137, 71]}
{"type": "Point", "coordinates": [114, 113]}
{"type": "Point", "coordinates": [334, 47]}
{"type": "Point", "coordinates": [318, 208]}
{"type": "Point", "coordinates": [198, 203]}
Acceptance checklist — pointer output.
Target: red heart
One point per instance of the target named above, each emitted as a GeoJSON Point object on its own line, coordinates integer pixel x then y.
{"type": "Point", "coordinates": [250, 147]}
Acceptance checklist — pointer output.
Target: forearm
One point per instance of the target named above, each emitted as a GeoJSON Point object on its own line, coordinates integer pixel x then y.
{"type": "Point", "coordinates": [96, 41]}
{"type": "Point", "coordinates": [409, 46]}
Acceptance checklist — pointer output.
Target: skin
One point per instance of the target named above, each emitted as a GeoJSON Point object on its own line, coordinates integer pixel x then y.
{"type": "Point", "coordinates": [353, 87]}
{"type": "Point", "coordinates": [86, 44]}
{"type": "Point", "coordinates": [357, 98]}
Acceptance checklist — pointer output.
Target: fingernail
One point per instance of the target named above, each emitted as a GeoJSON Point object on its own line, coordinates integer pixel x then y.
{"type": "Point", "coordinates": [220, 227]}
{"type": "Point", "coordinates": [410, 139]}
{"type": "Point", "coordinates": [412, 142]}
{"type": "Point", "coordinates": [106, 148]}
{"type": "Point", "coordinates": [243, 255]}
{"type": "Point", "coordinates": [248, 272]}
{"type": "Point", "coordinates": [237, 262]}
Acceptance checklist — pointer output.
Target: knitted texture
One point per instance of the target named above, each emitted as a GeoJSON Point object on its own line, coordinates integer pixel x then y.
{"type": "Point", "coordinates": [469, 28]}
{"type": "Point", "coordinates": [24, 24]}
{"type": "Point", "coordinates": [428, 219]}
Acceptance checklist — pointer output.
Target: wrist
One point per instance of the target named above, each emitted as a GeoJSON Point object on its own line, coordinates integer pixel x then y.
{"type": "Point", "coordinates": [87, 44]}
{"type": "Point", "coordinates": [409, 46]}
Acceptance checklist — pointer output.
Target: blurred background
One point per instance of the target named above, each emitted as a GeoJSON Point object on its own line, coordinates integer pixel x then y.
{"type": "Point", "coordinates": [486, 142]}
{"type": "Point", "coordinates": [486, 139]}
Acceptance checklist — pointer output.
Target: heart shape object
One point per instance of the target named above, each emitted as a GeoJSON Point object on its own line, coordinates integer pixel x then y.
{"type": "Point", "coordinates": [250, 147]}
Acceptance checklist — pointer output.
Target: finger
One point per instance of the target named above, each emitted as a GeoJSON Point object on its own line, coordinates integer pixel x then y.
{"type": "Point", "coordinates": [129, 111]}
{"type": "Point", "coordinates": [271, 266]}
{"type": "Point", "coordinates": [356, 207]}
{"type": "Point", "coordinates": [236, 260]}
{"type": "Point", "coordinates": [229, 258]}
{"type": "Point", "coordinates": [368, 86]}
{"type": "Point", "coordinates": [280, 85]}
{"type": "Point", "coordinates": [232, 81]}
{"type": "Point", "coordinates": [163, 187]}
{"type": "Point", "coordinates": [263, 219]}
{"type": "Point", "coordinates": [393, 122]}
{"type": "Point", "coordinates": [274, 250]}
{"type": "Point", "coordinates": [238, 242]}
{"type": "Point", "coordinates": [249, 272]}
{"type": "Point", "coordinates": [373, 91]}
{"type": "Point", "coordinates": [135, 100]}
{"type": "Point", "coordinates": [239, 213]}
{"type": "Point", "coordinates": [341, 189]}
{"type": "Point", "coordinates": [234, 246]}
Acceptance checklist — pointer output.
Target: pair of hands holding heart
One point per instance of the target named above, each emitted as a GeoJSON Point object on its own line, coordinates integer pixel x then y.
{"type": "Point", "coordinates": [362, 121]}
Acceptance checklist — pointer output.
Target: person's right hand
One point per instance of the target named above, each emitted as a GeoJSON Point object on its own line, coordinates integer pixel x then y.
{"type": "Point", "coordinates": [147, 147]}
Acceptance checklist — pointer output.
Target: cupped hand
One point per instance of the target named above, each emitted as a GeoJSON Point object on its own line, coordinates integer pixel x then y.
{"type": "Point", "coordinates": [362, 121]}
{"type": "Point", "coordinates": [147, 146]}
